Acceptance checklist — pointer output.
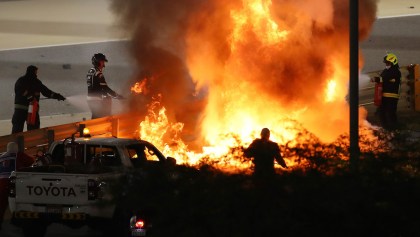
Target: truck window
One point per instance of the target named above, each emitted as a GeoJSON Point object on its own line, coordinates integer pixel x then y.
{"type": "Point", "coordinates": [139, 154]}
{"type": "Point", "coordinates": [103, 155]}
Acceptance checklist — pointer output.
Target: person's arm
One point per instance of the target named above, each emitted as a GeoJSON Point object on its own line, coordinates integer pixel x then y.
{"type": "Point", "coordinates": [378, 78]}
{"type": "Point", "coordinates": [45, 91]}
{"type": "Point", "coordinates": [279, 158]}
{"type": "Point", "coordinates": [281, 161]}
{"type": "Point", "coordinates": [105, 88]}
{"type": "Point", "coordinates": [250, 151]}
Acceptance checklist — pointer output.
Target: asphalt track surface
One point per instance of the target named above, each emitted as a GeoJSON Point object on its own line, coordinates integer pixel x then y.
{"type": "Point", "coordinates": [63, 68]}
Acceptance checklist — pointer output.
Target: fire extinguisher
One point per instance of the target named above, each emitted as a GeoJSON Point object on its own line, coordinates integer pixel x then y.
{"type": "Point", "coordinates": [378, 94]}
{"type": "Point", "coordinates": [32, 111]}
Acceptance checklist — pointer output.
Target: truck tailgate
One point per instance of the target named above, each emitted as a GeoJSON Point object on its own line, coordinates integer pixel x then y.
{"type": "Point", "coordinates": [57, 188]}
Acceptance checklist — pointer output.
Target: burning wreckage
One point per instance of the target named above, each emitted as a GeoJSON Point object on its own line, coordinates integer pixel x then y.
{"type": "Point", "coordinates": [213, 74]}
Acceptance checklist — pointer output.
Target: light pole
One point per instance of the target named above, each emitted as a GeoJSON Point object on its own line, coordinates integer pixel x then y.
{"type": "Point", "coordinates": [354, 83]}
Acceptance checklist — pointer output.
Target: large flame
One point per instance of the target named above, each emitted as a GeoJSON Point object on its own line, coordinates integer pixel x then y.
{"type": "Point", "coordinates": [276, 67]}
{"type": "Point", "coordinates": [228, 69]}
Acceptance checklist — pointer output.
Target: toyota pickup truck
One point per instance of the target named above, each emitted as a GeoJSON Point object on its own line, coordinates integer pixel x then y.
{"type": "Point", "coordinates": [70, 185]}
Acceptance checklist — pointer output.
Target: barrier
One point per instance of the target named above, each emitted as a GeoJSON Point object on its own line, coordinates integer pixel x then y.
{"type": "Point", "coordinates": [31, 141]}
{"type": "Point", "coordinates": [413, 90]}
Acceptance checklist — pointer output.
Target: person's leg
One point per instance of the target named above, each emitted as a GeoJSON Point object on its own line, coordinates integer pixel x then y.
{"type": "Point", "coordinates": [382, 113]}
{"type": "Point", "coordinates": [18, 120]}
{"type": "Point", "coordinates": [393, 113]}
{"type": "Point", "coordinates": [94, 107]}
{"type": "Point", "coordinates": [107, 107]}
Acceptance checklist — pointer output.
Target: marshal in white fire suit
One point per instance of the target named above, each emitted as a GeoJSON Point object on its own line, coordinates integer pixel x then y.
{"type": "Point", "coordinates": [99, 94]}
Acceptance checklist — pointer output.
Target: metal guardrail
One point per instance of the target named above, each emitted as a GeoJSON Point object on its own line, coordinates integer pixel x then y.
{"type": "Point", "coordinates": [40, 139]}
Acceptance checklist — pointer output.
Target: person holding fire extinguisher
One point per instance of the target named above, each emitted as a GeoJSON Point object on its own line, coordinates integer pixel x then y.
{"type": "Point", "coordinates": [28, 89]}
{"type": "Point", "coordinates": [390, 78]}
{"type": "Point", "coordinates": [99, 96]}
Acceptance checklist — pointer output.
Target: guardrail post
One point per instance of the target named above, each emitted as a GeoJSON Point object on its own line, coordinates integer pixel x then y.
{"type": "Point", "coordinates": [50, 137]}
{"type": "Point", "coordinates": [354, 84]}
{"type": "Point", "coordinates": [81, 128]}
{"type": "Point", "coordinates": [20, 140]}
{"type": "Point", "coordinates": [115, 127]}
{"type": "Point", "coordinates": [417, 87]}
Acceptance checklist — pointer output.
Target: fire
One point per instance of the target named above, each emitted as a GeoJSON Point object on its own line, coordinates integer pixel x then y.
{"type": "Point", "coordinates": [256, 14]}
{"type": "Point", "coordinates": [254, 88]}
{"type": "Point", "coordinates": [330, 95]}
{"type": "Point", "coordinates": [156, 128]}
{"type": "Point", "coordinates": [257, 63]}
{"type": "Point", "coordinates": [140, 87]}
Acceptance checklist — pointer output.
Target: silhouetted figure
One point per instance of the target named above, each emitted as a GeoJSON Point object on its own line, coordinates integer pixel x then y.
{"type": "Point", "coordinates": [264, 152]}
{"type": "Point", "coordinates": [28, 90]}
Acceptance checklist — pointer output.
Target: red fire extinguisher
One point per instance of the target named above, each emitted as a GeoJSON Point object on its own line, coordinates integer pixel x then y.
{"type": "Point", "coordinates": [32, 110]}
{"type": "Point", "coordinates": [378, 94]}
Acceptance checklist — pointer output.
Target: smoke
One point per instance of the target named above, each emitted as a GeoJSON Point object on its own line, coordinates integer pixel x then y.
{"type": "Point", "coordinates": [78, 101]}
{"type": "Point", "coordinates": [157, 31]}
{"type": "Point", "coordinates": [216, 61]}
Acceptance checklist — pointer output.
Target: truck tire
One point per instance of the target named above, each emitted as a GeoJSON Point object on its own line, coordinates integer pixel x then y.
{"type": "Point", "coordinates": [34, 230]}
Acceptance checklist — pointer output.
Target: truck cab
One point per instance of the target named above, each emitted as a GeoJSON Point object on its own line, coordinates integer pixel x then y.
{"type": "Point", "coordinates": [68, 184]}
{"type": "Point", "coordinates": [108, 152]}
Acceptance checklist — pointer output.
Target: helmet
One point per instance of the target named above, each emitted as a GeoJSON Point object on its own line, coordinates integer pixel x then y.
{"type": "Point", "coordinates": [392, 58]}
{"type": "Point", "coordinates": [97, 58]}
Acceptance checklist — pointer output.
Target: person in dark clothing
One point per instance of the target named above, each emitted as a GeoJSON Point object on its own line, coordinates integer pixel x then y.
{"type": "Point", "coordinates": [99, 96]}
{"type": "Point", "coordinates": [264, 152]}
{"type": "Point", "coordinates": [391, 82]}
{"type": "Point", "coordinates": [28, 89]}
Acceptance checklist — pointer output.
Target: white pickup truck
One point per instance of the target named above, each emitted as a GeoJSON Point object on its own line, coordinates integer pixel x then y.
{"type": "Point", "coordinates": [71, 186]}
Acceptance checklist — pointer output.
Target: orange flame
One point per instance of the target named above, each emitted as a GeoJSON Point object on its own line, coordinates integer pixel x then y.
{"type": "Point", "coordinates": [250, 89]}
{"type": "Point", "coordinates": [262, 64]}
{"type": "Point", "coordinates": [256, 15]}
{"type": "Point", "coordinates": [140, 87]}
